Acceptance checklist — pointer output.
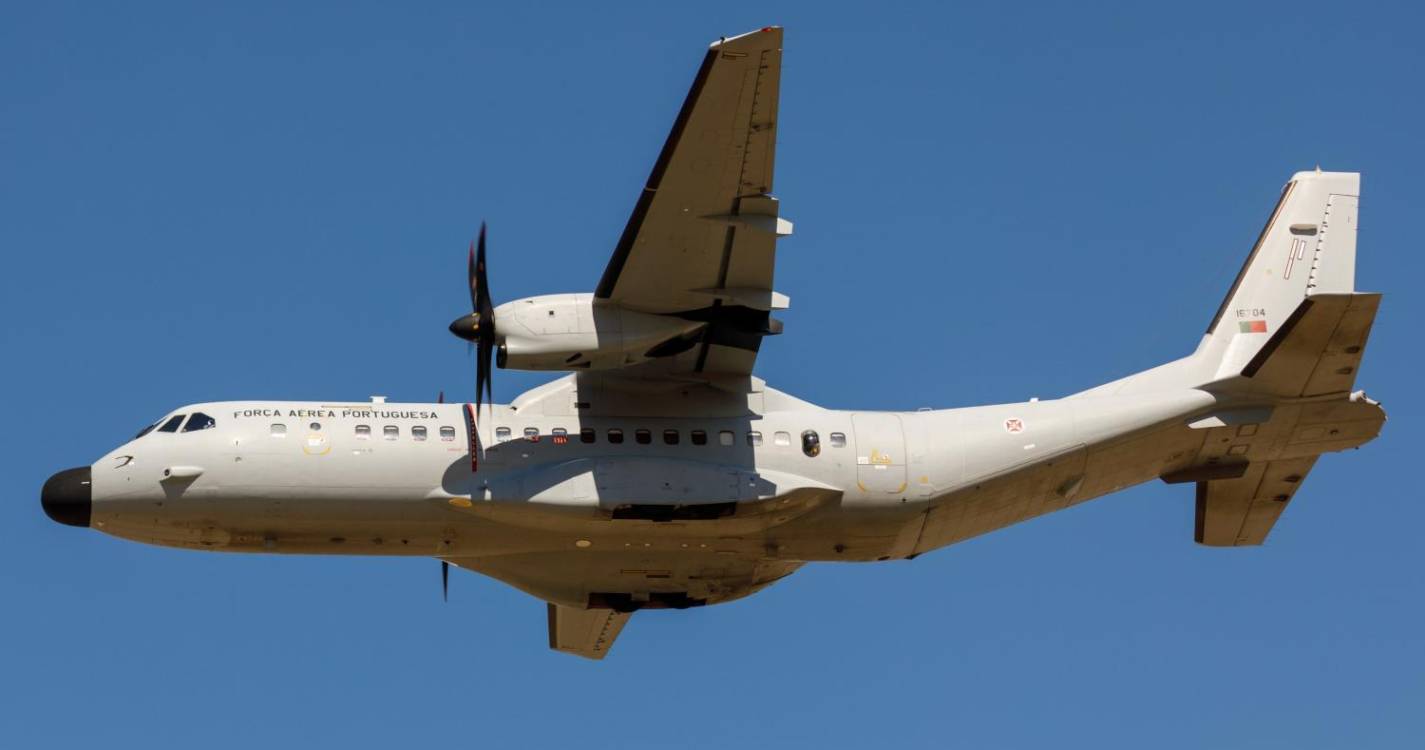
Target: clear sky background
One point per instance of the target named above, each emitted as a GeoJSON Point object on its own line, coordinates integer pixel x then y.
{"type": "Point", "coordinates": [991, 204]}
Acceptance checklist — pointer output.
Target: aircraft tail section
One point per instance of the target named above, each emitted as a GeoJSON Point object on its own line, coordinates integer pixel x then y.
{"type": "Point", "coordinates": [1315, 352]}
{"type": "Point", "coordinates": [1307, 248]}
{"type": "Point", "coordinates": [1293, 308]}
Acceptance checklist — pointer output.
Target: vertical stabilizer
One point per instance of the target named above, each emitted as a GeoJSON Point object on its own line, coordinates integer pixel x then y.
{"type": "Point", "coordinates": [1307, 247]}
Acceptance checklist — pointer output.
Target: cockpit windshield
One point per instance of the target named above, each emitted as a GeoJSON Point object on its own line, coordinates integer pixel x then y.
{"type": "Point", "coordinates": [199, 421]}
{"type": "Point", "coordinates": [172, 424]}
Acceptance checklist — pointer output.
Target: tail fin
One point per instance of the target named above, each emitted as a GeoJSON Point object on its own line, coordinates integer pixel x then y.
{"type": "Point", "coordinates": [1307, 247]}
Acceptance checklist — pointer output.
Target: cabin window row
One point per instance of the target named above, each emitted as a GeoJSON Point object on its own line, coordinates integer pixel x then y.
{"type": "Point", "coordinates": [419, 433]}
{"type": "Point", "coordinates": [810, 441]}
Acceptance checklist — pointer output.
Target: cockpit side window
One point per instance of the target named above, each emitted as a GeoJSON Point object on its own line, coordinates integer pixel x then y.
{"type": "Point", "coordinates": [172, 424]}
{"type": "Point", "coordinates": [200, 421]}
{"type": "Point", "coordinates": [146, 430]}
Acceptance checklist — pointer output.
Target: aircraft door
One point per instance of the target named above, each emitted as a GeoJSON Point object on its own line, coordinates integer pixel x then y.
{"type": "Point", "coordinates": [880, 453]}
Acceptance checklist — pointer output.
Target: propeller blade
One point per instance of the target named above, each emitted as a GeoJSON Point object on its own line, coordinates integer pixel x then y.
{"type": "Point", "coordinates": [478, 327]}
{"type": "Point", "coordinates": [440, 398]}
{"type": "Point", "coordinates": [444, 581]}
{"type": "Point", "coordinates": [470, 276]}
{"type": "Point", "coordinates": [483, 391]}
{"type": "Point", "coordinates": [486, 310]}
{"type": "Point", "coordinates": [480, 289]}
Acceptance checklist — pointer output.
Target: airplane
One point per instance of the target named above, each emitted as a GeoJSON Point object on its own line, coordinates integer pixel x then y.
{"type": "Point", "coordinates": [658, 472]}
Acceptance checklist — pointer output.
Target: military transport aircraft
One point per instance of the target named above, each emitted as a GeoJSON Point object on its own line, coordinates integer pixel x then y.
{"type": "Point", "coordinates": [660, 473]}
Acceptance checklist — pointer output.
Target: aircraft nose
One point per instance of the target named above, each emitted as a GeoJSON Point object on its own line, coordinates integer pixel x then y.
{"type": "Point", "coordinates": [68, 497]}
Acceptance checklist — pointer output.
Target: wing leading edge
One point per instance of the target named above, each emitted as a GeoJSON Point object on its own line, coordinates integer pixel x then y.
{"type": "Point", "coordinates": [701, 241]}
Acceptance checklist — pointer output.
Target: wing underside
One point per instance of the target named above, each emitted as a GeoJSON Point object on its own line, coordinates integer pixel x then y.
{"type": "Point", "coordinates": [700, 243]}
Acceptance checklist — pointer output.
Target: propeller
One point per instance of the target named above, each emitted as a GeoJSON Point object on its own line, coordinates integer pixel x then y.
{"type": "Point", "coordinates": [478, 327]}
{"type": "Point", "coordinates": [444, 566]}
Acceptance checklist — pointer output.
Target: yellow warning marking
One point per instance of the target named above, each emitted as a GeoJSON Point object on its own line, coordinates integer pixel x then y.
{"type": "Point", "coordinates": [924, 480]}
{"type": "Point", "coordinates": [901, 488]}
{"type": "Point", "coordinates": [317, 445]}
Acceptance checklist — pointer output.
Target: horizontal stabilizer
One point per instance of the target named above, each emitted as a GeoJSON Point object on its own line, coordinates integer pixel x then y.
{"type": "Point", "coordinates": [1316, 351]}
{"type": "Point", "coordinates": [589, 633]}
{"type": "Point", "coordinates": [1241, 512]}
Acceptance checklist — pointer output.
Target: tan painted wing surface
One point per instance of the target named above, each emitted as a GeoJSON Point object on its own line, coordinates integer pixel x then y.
{"type": "Point", "coordinates": [1241, 512]}
{"type": "Point", "coordinates": [584, 632]}
{"type": "Point", "coordinates": [702, 235]}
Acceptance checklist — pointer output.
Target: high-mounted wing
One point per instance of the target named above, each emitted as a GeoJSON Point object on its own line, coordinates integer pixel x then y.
{"type": "Point", "coordinates": [701, 241]}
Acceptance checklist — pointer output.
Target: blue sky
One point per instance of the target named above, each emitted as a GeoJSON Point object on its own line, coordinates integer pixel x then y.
{"type": "Point", "coordinates": [252, 201]}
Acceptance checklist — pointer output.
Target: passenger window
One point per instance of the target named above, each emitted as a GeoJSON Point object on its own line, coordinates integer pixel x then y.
{"type": "Point", "coordinates": [502, 434]}
{"type": "Point", "coordinates": [447, 433]}
{"type": "Point", "coordinates": [782, 438]}
{"type": "Point", "coordinates": [279, 430]}
{"type": "Point", "coordinates": [811, 443]}
{"type": "Point", "coordinates": [531, 433]}
{"type": "Point", "coordinates": [699, 437]}
{"type": "Point", "coordinates": [199, 421]}
{"type": "Point", "coordinates": [838, 440]}
{"type": "Point", "coordinates": [726, 437]}
{"type": "Point", "coordinates": [642, 437]}
{"type": "Point", "coordinates": [315, 426]}
{"type": "Point", "coordinates": [418, 432]}
{"type": "Point", "coordinates": [390, 432]}
{"type": "Point", "coordinates": [754, 438]}
{"type": "Point", "coordinates": [587, 435]}
{"type": "Point", "coordinates": [363, 432]}
{"type": "Point", "coordinates": [615, 435]}
{"type": "Point", "coordinates": [670, 437]}
{"type": "Point", "coordinates": [172, 424]}
{"type": "Point", "coordinates": [561, 435]}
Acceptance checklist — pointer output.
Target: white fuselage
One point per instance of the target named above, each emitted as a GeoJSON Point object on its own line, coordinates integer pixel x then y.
{"type": "Point", "coordinates": [556, 490]}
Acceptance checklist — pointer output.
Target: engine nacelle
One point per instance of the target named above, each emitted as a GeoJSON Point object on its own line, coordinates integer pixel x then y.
{"type": "Point", "coordinates": [573, 332]}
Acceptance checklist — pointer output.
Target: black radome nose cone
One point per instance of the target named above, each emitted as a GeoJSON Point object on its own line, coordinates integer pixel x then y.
{"type": "Point", "coordinates": [68, 497]}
